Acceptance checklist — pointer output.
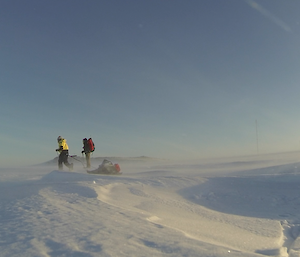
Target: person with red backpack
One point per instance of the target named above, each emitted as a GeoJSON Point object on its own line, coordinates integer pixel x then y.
{"type": "Point", "coordinates": [88, 148]}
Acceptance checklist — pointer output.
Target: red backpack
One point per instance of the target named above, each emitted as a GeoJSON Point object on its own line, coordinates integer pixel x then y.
{"type": "Point", "coordinates": [91, 144]}
{"type": "Point", "coordinates": [117, 166]}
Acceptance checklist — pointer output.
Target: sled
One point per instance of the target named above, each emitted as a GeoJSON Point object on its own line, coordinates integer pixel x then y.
{"type": "Point", "coordinates": [106, 167]}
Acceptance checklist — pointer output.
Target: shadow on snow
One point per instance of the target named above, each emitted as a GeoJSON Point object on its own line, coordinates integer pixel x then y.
{"type": "Point", "coordinates": [257, 193]}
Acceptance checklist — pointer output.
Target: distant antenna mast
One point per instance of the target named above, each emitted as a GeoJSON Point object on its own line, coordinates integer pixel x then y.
{"type": "Point", "coordinates": [256, 137]}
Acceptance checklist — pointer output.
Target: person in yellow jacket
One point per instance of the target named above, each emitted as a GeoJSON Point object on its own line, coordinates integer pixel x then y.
{"type": "Point", "coordinates": [63, 149]}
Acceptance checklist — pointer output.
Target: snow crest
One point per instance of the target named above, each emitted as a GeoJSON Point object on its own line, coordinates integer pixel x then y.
{"type": "Point", "coordinates": [158, 209]}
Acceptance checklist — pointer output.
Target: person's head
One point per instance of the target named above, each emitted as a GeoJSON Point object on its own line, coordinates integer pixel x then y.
{"type": "Point", "coordinates": [59, 138]}
{"type": "Point", "coordinates": [84, 140]}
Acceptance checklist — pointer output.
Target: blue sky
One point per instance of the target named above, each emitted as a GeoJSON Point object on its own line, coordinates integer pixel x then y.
{"type": "Point", "coordinates": [170, 79]}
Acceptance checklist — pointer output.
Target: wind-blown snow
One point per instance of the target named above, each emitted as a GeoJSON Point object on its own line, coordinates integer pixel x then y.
{"type": "Point", "coordinates": [229, 207]}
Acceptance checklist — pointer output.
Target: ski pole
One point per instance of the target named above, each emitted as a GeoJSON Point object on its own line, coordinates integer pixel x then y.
{"type": "Point", "coordinates": [73, 156]}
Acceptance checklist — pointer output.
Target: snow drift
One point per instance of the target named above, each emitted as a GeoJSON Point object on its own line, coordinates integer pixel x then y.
{"type": "Point", "coordinates": [248, 207]}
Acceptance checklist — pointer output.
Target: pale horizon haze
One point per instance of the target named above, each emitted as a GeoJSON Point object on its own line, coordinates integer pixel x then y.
{"type": "Point", "coordinates": [166, 79]}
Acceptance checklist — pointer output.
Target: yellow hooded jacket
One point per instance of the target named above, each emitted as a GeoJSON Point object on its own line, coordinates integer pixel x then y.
{"type": "Point", "coordinates": [62, 145]}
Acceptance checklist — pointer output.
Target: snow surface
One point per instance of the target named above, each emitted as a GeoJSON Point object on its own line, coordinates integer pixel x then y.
{"type": "Point", "coordinates": [228, 207]}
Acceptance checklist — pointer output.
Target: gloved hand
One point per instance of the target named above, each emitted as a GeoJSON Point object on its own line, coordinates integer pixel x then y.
{"type": "Point", "coordinates": [56, 150]}
{"type": "Point", "coordinates": [82, 151]}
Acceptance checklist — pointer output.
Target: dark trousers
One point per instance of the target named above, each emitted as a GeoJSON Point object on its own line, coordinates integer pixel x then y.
{"type": "Point", "coordinates": [63, 158]}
